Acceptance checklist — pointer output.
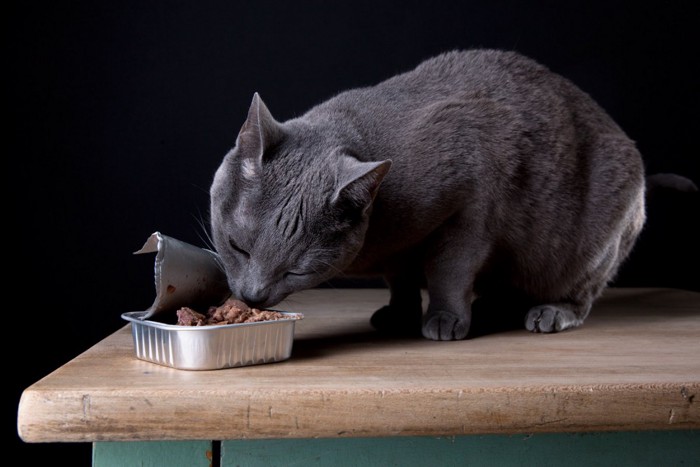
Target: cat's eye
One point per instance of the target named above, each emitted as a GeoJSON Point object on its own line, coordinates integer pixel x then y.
{"type": "Point", "coordinates": [238, 249]}
{"type": "Point", "coordinates": [293, 274]}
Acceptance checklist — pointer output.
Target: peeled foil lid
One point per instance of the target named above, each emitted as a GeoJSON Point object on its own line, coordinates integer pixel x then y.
{"type": "Point", "coordinates": [185, 275]}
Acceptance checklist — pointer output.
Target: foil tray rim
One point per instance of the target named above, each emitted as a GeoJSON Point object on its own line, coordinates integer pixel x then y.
{"type": "Point", "coordinates": [138, 318]}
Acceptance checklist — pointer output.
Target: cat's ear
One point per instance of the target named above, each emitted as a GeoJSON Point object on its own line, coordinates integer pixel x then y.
{"type": "Point", "coordinates": [259, 132]}
{"type": "Point", "coordinates": [357, 182]}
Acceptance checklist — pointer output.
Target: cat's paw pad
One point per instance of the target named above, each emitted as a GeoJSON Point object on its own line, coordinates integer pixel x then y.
{"type": "Point", "coordinates": [389, 320]}
{"type": "Point", "coordinates": [445, 327]}
{"type": "Point", "coordinates": [550, 318]}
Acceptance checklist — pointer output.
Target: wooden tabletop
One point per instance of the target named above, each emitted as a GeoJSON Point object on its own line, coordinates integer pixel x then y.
{"type": "Point", "coordinates": [634, 364]}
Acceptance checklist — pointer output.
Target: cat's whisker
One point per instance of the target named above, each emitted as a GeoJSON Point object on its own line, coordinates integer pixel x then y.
{"type": "Point", "coordinates": [328, 265]}
{"type": "Point", "coordinates": [209, 243]}
{"type": "Point", "coordinates": [206, 239]}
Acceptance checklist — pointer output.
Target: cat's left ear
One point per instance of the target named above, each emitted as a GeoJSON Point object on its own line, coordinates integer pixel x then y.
{"type": "Point", "coordinates": [358, 182]}
{"type": "Point", "coordinates": [259, 132]}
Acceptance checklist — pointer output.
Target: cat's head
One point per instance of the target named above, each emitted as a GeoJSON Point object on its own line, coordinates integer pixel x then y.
{"type": "Point", "coordinates": [290, 207]}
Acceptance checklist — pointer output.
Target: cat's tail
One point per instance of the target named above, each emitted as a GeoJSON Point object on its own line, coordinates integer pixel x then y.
{"type": "Point", "coordinates": [669, 181]}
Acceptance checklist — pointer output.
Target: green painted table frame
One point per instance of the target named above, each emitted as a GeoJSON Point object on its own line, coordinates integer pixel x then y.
{"type": "Point", "coordinates": [642, 448]}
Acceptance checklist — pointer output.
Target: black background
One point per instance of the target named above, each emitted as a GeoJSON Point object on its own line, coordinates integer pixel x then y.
{"type": "Point", "coordinates": [118, 113]}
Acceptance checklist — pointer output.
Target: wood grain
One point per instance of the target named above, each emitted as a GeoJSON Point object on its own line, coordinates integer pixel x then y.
{"type": "Point", "coordinates": [634, 365]}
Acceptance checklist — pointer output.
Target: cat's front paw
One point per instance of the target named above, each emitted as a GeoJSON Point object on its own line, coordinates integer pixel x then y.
{"type": "Point", "coordinates": [445, 326]}
{"type": "Point", "coordinates": [550, 318]}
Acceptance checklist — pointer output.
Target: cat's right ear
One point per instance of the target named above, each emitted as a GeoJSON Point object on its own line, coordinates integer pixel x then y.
{"type": "Point", "coordinates": [259, 132]}
{"type": "Point", "coordinates": [357, 183]}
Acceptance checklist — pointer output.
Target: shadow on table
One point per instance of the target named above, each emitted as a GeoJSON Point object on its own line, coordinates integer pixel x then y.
{"type": "Point", "coordinates": [488, 317]}
{"type": "Point", "coordinates": [506, 314]}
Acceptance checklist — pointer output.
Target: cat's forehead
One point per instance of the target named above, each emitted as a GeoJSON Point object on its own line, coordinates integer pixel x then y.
{"type": "Point", "coordinates": [295, 192]}
{"type": "Point", "coordinates": [295, 168]}
{"type": "Point", "coordinates": [293, 181]}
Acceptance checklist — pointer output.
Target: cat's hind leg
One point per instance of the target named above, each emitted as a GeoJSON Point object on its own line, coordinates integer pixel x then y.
{"type": "Point", "coordinates": [555, 317]}
{"type": "Point", "coordinates": [572, 311]}
{"type": "Point", "coordinates": [620, 213]}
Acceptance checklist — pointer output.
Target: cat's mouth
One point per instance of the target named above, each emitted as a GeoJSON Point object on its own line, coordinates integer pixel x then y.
{"type": "Point", "coordinates": [260, 298]}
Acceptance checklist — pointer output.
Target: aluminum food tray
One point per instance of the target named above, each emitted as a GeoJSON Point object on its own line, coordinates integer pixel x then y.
{"type": "Point", "coordinates": [212, 347]}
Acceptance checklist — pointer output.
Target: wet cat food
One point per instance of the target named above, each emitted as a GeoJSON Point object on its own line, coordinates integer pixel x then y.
{"type": "Point", "coordinates": [232, 311]}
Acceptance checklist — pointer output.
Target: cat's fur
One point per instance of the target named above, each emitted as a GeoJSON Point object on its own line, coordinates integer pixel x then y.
{"type": "Point", "coordinates": [479, 172]}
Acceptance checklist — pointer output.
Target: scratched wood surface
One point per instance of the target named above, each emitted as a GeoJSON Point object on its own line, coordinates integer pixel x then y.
{"type": "Point", "coordinates": [633, 365]}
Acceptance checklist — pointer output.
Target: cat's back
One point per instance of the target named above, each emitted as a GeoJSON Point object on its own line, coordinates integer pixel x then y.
{"type": "Point", "coordinates": [506, 78]}
{"type": "Point", "coordinates": [486, 73]}
{"type": "Point", "coordinates": [453, 74]}
{"type": "Point", "coordinates": [478, 67]}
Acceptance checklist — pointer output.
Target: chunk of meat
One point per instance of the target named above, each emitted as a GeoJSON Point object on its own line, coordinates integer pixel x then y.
{"type": "Point", "coordinates": [189, 317]}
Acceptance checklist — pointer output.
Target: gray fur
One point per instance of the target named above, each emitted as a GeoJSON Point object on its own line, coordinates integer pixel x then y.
{"type": "Point", "coordinates": [478, 172]}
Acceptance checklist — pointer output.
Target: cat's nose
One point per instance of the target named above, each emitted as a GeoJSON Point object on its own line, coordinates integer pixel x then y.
{"type": "Point", "coordinates": [255, 297]}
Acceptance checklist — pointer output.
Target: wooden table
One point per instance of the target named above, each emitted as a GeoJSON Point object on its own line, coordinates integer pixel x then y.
{"type": "Point", "coordinates": [632, 370]}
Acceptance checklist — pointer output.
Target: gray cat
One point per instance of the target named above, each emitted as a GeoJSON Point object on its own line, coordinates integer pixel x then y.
{"type": "Point", "coordinates": [479, 172]}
